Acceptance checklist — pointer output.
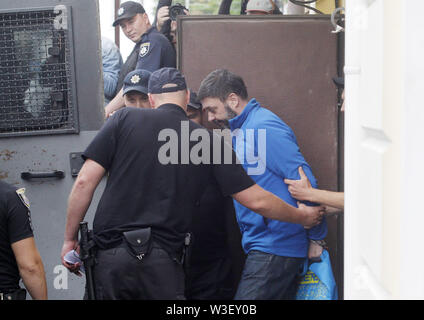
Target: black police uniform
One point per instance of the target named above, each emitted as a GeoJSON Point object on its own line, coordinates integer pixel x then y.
{"type": "Point", "coordinates": [15, 225]}
{"type": "Point", "coordinates": [151, 53]}
{"type": "Point", "coordinates": [214, 264]}
{"type": "Point", "coordinates": [141, 193]}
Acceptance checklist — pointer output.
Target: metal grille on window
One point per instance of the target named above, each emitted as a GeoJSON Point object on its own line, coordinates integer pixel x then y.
{"type": "Point", "coordinates": [36, 79]}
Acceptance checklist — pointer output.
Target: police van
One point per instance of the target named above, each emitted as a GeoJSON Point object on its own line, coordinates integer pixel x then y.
{"type": "Point", "coordinates": [51, 107]}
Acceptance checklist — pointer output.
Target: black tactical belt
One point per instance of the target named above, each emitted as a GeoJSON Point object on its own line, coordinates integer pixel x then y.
{"type": "Point", "coordinates": [19, 294]}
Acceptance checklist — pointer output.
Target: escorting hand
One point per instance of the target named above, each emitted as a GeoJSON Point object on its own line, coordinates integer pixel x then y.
{"type": "Point", "coordinates": [311, 216]}
{"type": "Point", "coordinates": [300, 189]}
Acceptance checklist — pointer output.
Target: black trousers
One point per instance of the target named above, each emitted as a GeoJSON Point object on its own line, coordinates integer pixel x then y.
{"type": "Point", "coordinates": [120, 276]}
{"type": "Point", "coordinates": [211, 280]}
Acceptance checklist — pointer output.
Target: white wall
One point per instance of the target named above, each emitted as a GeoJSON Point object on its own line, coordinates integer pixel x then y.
{"type": "Point", "coordinates": [384, 130]}
{"type": "Point", "coordinates": [107, 14]}
{"type": "Point", "coordinates": [412, 222]}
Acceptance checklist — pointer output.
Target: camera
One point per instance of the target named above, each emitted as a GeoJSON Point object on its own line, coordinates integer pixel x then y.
{"type": "Point", "coordinates": [176, 10]}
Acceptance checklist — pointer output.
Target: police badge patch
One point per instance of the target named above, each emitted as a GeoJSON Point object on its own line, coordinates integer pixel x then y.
{"type": "Point", "coordinates": [22, 196]}
{"type": "Point", "coordinates": [144, 49]}
{"type": "Point", "coordinates": [25, 201]}
{"type": "Point", "coordinates": [135, 79]}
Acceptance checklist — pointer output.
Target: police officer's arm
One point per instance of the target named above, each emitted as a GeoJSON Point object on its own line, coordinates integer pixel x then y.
{"type": "Point", "coordinates": [234, 181]}
{"type": "Point", "coordinates": [79, 200]}
{"type": "Point", "coordinates": [116, 104]}
{"type": "Point", "coordinates": [270, 206]}
{"type": "Point", "coordinates": [31, 268]}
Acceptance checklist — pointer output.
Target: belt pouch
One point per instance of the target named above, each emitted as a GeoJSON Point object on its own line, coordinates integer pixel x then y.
{"type": "Point", "coordinates": [138, 242]}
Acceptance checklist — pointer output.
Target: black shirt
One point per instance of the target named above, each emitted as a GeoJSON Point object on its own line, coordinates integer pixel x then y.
{"type": "Point", "coordinates": [15, 225]}
{"type": "Point", "coordinates": [140, 190]}
{"type": "Point", "coordinates": [210, 225]}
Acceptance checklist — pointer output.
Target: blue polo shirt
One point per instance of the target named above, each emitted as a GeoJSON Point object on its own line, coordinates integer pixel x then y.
{"type": "Point", "coordinates": [155, 51]}
{"type": "Point", "coordinates": [268, 150]}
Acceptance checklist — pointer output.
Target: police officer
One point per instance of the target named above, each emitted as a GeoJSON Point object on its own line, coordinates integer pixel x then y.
{"type": "Point", "coordinates": [135, 89]}
{"type": "Point", "coordinates": [142, 220]}
{"type": "Point", "coordinates": [19, 257]}
{"type": "Point", "coordinates": [151, 52]}
{"type": "Point", "coordinates": [216, 257]}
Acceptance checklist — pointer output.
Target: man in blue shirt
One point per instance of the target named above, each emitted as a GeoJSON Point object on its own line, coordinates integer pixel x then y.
{"type": "Point", "coordinates": [268, 151]}
{"type": "Point", "coordinates": [112, 63]}
{"type": "Point", "coordinates": [152, 50]}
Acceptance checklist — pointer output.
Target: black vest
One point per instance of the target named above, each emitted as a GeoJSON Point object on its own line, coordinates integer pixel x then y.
{"type": "Point", "coordinates": [128, 66]}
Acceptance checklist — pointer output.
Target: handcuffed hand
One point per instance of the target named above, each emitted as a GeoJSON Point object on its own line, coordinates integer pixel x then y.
{"type": "Point", "coordinates": [315, 250]}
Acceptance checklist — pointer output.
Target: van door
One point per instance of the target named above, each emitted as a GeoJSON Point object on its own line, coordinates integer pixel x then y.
{"type": "Point", "coordinates": [288, 63]}
{"type": "Point", "coordinates": [51, 106]}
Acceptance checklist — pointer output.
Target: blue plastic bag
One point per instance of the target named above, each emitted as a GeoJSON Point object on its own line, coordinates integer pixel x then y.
{"type": "Point", "coordinates": [317, 282]}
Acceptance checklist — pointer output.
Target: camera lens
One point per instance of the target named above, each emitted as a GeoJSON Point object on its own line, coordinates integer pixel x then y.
{"type": "Point", "coordinates": [176, 10]}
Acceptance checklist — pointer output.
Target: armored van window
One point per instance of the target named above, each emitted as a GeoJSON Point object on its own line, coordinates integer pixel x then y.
{"type": "Point", "coordinates": [37, 87]}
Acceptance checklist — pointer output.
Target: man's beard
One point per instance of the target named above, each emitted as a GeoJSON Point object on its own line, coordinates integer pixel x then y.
{"type": "Point", "coordinates": [225, 124]}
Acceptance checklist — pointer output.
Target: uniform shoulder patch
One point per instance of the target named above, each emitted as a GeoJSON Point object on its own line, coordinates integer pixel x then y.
{"type": "Point", "coordinates": [144, 49]}
{"type": "Point", "coordinates": [21, 193]}
{"type": "Point", "coordinates": [25, 201]}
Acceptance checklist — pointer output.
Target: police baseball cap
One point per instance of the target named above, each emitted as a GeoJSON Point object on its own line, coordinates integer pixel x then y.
{"type": "Point", "coordinates": [137, 80]}
{"type": "Point", "coordinates": [339, 82]}
{"type": "Point", "coordinates": [194, 102]}
{"type": "Point", "coordinates": [260, 5]}
{"type": "Point", "coordinates": [128, 10]}
{"type": "Point", "coordinates": [166, 80]}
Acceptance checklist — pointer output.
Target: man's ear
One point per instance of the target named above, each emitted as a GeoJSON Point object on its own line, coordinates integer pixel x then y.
{"type": "Point", "coordinates": [146, 18]}
{"type": "Point", "coordinates": [187, 97]}
{"type": "Point", "coordinates": [151, 100]}
{"type": "Point", "coordinates": [233, 100]}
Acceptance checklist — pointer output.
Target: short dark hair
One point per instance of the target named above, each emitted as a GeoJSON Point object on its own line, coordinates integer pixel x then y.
{"type": "Point", "coordinates": [220, 84]}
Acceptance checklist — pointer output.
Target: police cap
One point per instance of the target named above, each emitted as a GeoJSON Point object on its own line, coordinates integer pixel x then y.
{"type": "Point", "coordinates": [166, 80]}
{"type": "Point", "coordinates": [137, 80]}
{"type": "Point", "coordinates": [194, 102]}
{"type": "Point", "coordinates": [128, 10]}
